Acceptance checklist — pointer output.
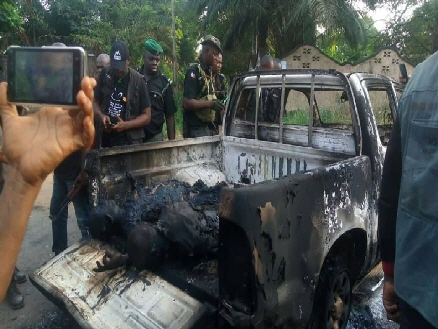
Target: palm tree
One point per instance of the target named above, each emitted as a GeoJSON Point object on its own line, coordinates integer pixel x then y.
{"type": "Point", "coordinates": [287, 23]}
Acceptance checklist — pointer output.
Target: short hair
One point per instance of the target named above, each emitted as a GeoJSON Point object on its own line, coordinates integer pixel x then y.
{"type": "Point", "coordinates": [58, 44]}
{"type": "Point", "coordinates": [103, 58]}
{"type": "Point", "coordinates": [266, 60]}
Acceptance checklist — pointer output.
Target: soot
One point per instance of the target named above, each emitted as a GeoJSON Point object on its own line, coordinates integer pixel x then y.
{"type": "Point", "coordinates": [184, 215]}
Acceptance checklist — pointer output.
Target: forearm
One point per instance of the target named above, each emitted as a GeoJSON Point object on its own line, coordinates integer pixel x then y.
{"type": "Point", "coordinates": [138, 122]}
{"type": "Point", "coordinates": [97, 109]}
{"type": "Point", "coordinates": [170, 123]}
{"type": "Point", "coordinates": [195, 104]}
{"type": "Point", "coordinates": [16, 201]}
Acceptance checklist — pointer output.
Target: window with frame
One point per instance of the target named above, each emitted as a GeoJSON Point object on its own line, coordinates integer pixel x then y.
{"type": "Point", "coordinates": [382, 106]}
{"type": "Point", "coordinates": [283, 116]}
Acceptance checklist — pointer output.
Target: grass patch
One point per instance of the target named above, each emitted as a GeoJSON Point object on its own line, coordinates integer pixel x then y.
{"type": "Point", "coordinates": [300, 117]}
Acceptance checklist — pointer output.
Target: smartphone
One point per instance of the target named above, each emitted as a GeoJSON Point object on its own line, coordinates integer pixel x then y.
{"type": "Point", "coordinates": [45, 76]}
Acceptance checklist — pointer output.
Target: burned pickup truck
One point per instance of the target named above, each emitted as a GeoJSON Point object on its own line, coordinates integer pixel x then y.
{"type": "Point", "coordinates": [300, 159]}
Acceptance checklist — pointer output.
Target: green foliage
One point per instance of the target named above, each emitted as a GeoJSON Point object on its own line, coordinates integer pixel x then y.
{"type": "Point", "coordinates": [10, 20]}
{"type": "Point", "coordinates": [300, 116]}
{"type": "Point", "coordinates": [416, 38]}
{"type": "Point", "coordinates": [276, 27]}
{"type": "Point", "coordinates": [334, 43]}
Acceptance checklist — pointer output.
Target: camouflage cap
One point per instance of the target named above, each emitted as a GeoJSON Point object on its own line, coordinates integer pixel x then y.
{"type": "Point", "coordinates": [153, 47]}
{"type": "Point", "coordinates": [212, 40]}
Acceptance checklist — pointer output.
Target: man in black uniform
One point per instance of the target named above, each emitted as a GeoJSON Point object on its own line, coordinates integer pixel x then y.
{"type": "Point", "coordinates": [160, 94]}
{"type": "Point", "coordinates": [121, 100]}
{"type": "Point", "coordinates": [221, 87]}
{"type": "Point", "coordinates": [200, 102]}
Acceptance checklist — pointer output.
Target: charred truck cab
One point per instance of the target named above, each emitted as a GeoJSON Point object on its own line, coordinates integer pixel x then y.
{"type": "Point", "coordinates": [302, 154]}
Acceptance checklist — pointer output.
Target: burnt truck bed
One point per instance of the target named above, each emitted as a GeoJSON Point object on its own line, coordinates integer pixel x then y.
{"type": "Point", "coordinates": [299, 197]}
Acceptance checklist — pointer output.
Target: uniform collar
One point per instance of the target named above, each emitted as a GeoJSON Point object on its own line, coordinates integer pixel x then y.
{"type": "Point", "coordinates": [205, 67]}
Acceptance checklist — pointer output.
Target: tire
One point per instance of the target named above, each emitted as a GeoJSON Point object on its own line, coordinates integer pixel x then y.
{"type": "Point", "coordinates": [332, 304]}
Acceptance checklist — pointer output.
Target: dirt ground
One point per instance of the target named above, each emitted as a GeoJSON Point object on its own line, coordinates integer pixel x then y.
{"type": "Point", "coordinates": [40, 313]}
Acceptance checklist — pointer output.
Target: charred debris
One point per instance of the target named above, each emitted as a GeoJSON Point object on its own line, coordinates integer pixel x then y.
{"type": "Point", "coordinates": [186, 217]}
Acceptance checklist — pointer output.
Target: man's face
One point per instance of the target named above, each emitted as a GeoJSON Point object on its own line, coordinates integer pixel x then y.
{"type": "Point", "coordinates": [217, 64]}
{"type": "Point", "coordinates": [210, 55]}
{"type": "Point", "coordinates": [101, 64]}
{"type": "Point", "coordinates": [121, 73]}
{"type": "Point", "coordinates": [151, 62]}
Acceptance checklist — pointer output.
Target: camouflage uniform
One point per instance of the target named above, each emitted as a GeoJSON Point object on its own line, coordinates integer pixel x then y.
{"type": "Point", "coordinates": [199, 84]}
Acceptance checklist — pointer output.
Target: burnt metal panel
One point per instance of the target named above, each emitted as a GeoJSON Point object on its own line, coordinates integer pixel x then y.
{"type": "Point", "coordinates": [372, 146]}
{"type": "Point", "coordinates": [121, 298]}
{"type": "Point", "coordinates": [251, 161]}
{"type": "Point", "coordinates": [290, 225]}
{"type": "Point", "coordinates": [111, 170]}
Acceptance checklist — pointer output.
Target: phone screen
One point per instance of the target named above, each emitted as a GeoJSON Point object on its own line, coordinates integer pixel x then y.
{"type": "Point", "coordinates": [43, 76]}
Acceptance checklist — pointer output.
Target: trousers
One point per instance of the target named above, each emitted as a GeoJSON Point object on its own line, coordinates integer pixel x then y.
{"type": "Point", "coordinates": [59, 215]}
{"type": "Point", "coordinates": [410, 318]}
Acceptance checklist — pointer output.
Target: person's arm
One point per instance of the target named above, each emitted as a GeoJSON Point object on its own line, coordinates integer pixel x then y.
{"type": "Point", "coordinates": [387, 208]}
{"type": "Point", "coordinates": [170, 110]}
{"type": "Point", "coordinates": [170, 124]}
{"type": "Point", "coordinates": [143, 119]}
{"type": "Point", "coordinates": [190, 103]}
{"type": "Point", "coordinates": [98, 98]}
{"type": "Point", "coordinates": [45, 139]}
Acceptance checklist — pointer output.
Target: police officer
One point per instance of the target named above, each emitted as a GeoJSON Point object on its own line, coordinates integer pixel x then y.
{"type": "Point", "coordinates": [160, 94]}
{"type": "Point", "coordinates": [200, 102]}
{"type": "Point", "coordinates": [221, 86]}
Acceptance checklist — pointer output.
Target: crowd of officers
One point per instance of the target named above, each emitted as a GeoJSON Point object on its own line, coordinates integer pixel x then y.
{"type": "Point", "coordinates": [131, 106]}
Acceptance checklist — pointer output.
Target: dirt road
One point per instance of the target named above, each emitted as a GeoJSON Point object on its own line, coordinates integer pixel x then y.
{"type": "Point", "coordinates": [40, 313]}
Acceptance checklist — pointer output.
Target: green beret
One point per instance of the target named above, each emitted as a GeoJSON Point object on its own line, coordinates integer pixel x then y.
{"type": "Point", "coordinates": [153, 47]}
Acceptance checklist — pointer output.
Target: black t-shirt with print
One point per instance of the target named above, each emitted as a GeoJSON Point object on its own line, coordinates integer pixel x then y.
{"type": "Point", "coordinates": [113, 94]}
{"type": "Point", "coordinates": [117, 104]}
{"type": "Point", "coordinates": [117, 108]}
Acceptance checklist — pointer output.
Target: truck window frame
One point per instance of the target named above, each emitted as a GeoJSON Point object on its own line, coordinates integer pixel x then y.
{"type": "Point", "coordinates": [238, 87]}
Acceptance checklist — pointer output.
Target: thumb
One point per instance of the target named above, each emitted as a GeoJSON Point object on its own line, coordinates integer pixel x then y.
{"type": "Point", "coordinates": [3, 158]}
{"type": "Point", "coordinates": [6, 108]}
{"type": "Point", "coordinates": [119, 119]}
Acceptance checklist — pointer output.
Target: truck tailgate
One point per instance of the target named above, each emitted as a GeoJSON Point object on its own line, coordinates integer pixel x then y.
{"type": "Point", "coordinates": [120, 298]}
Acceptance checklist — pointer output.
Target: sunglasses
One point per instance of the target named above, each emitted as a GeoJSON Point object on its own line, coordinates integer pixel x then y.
{"type": "Point", "coordinates": [99, 67]}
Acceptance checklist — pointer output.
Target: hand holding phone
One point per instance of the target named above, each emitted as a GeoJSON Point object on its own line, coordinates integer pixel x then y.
{"type": "Point", "coordinates": [46, 76]}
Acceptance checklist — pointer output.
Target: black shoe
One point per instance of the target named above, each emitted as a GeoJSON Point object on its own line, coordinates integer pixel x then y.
{"type": "Point", "coordinates": [19, 276]}
{"type": "Point", "coordinates": [14, 296]}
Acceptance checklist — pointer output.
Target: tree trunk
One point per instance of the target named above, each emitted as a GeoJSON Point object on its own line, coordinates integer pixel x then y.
{"type": "Point", "coordinates": [254, 47]}
{"type": "Point", "coordinates": [262, 30]}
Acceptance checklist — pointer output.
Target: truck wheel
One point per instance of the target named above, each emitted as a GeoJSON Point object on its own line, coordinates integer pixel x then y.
{"type": "Point", "coordinates": [331, 307]}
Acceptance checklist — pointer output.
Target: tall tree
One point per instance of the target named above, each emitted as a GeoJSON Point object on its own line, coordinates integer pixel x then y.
{"type": "Point", "coordinates": [10, 20]}
{"type": "Point", "coordinates": [284, 24]}
{"type": "Point", "coordinates": [416, 37]}
{"type": "Point", "coordinates": [335, 44]}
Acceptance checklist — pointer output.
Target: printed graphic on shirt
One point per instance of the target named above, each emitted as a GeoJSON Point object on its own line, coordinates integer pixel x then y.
{"type": "Point", "coordinates": [117, 104]}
